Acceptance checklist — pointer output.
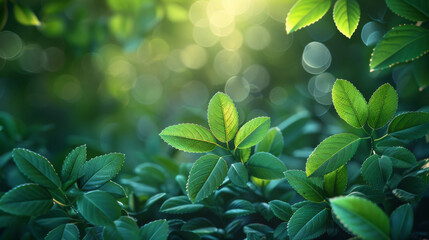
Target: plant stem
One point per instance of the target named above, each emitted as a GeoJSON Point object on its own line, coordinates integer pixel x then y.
{"type": "Point", "coordinates": [378, 139]}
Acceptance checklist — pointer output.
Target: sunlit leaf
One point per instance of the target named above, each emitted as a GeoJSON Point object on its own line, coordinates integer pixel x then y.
{"type": "Point", "coordinates": [272, 142]}
{"type": "Point", "coordinates": [25, 16]}
{"type": "Point", "coordinates": [189, 138]}
{"type": "Point", "coordinates": [401, 44]}
{"type": "Point", "coordinates": [361, 217]}
{"type": "Point", "coordinates": [410, 125]}
{"type": "Point", "coordinates": [382, 106]}
{"type": "Point", "coordinates": [346, 16]}
{"type": "Point", "coordinates": [335, 183]}
{"type": "Point", "coordinates": [222, 117]}
{"type": "Point", "coordinates": [252, 132]}
{"type": "Point", "coordinates": [306, 12]}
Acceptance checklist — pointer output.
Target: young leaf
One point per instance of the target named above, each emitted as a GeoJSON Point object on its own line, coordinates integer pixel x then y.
{"type": "Point", "coordinates": [400, 157]}
{"type": "Point", "coordinates": [382, 106]}
{"type": "Point", "coordinates": [410, 125]}
{"type": "Point", "coordinates": [401, 44]}
{"type": "Point", "coordinates": [156, 230]}
{"type": "Point", "coordinates": [252, 132]}
{"type": "Point", "coordinates": [180, 205]}
{"type": "Point", "coordinates": [73, 164]}
{"type": "Point", "coordinates": [306, 12]}
{"type": "Point", "coordinates": [266, 166]}
{"type": "Point", "coordinates": [26, 200]}
{"type": "Point", "coordinates": [309, 188]}
{"type": "Point", "coordinates": [99, 208]}
{"type": "Point", "coordinates": [281, 209]}
{"type": "Point", "coordinates": [206, 176]}
{"type": "Point", "coordinates": [244, 154]}
{"type": "Point", "coordinates": [189, 138]}
{"type": "Point", "coordinates": [346, 16]}
{"type": "Point", "coordinates": [64, 232]}
{"type": "Point", "coordinates": [376, 171]}
{"type": "Point", "coordinates": [349, 103]}
{"type": "Point", "coordinates": [272, 142]}
{"type": "Point", "coordinates": [361, 217]}
{"type": "Point", "coordinates": [238, 175]}
{"type": "Point", "coordinates": [25, 16]}
{"type": "Point", "coordinates": [308, 222]}
{"type": "Point", "coordinates": [222, 117]}
{"type": "Point", "coordinates": [36, 168]}
{"type": "Point", "coordinates": [406, 10]}
{"type": "Point", "coordinates": [335, 183]}
{"type": "Point", "coordinates": [401, 222]}
{"type": "Point", "coordinates": [332, 153]}
{"type": "Point", "coordinates": [101, 169]}
{"type": "Point", "coordinates": [125, 228]}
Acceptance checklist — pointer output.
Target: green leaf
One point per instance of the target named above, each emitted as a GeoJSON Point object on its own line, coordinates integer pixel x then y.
{"type": "Point", "coordinates": [244, 154]}
{"type": "Point", "coordinates": [206, 175]}
{"type": "Point", "coordinates": [400, 157]}
{"type": "Point", "coordinates": [401, 44]}
{"type": "Point", "coordinates": [361, 217]}
{"type": "Point", "coordinates": [346, 16]}
{"type": "Point", "coordinates": [25, 16]}
{"type": "Point", "coordinates": [64, 232]}
{"type": "Point", "coordinates": [308, 222]}
{"type": "Point", "coordinates": [281, 231]}
{"type": "Point", "coordinates": [272, 142]}
{"type": "Point", "coordinates": [335, 183]}
{"type": "Point", "coordinates": [238, 208]}
{"type": "Point", "coordinates": [180, 205]}
{"type": "Point", "coordinates": [114, 189]}
{"type": "Point", "coordinates": [99, 170]}
{"type": "Point", "coordinates": [421, 71]}
{"type": "Point", "coordinates": [410, 125]}
{"type": "Point", "coordinates": [403, 195]}
{"type": "Point", "coordinates": [252, 132]}
{"type": "Point", "coordinates": [401, 222]}
{"type": "Point", "coordinates": [3, 19]}
{"type": "Point", "coordinates": [370, 193]}
{"type": "Point", "coordinates": [222, 117]}
{"type": "Point", "coordinates": [36, 167]}
{"type": "Point", "coordinates": [349, 103]}
{"type": "Point", "coordinates": [331, 153]}
{"type": "Point", "coordinates": [156, 230]}
{"type": "Point", "coordinates": [26, 200]}
{"type": "Point", "coordinates": [382, 106]}
{"type": "Point", "coordinates": [421, 5]}
{"type": "Point", "coordinates": [125, 228]}
{"type": "Point", "coordinates": [306, 12]}
{"type": "Point", "coordinates": [189, 137]}
{"type": "Point", "coordinates": [72, 165]}
{"type": "Point", "coordinates": [281, 209]}
{"type": "Point", "coordinates": [265, 166]}
{"type": "Point", "coordinates": [406, 10]}
{"type": "Point", "coordinates": [309, 188]}
{"type": "Point", "coordinates": [238, 175]}
{"type": "Point", "coordinates": [99, 208]}
{"type": "Point", "coordinates": [376, 171]}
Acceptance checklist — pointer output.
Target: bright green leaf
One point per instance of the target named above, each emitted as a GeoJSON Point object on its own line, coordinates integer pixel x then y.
{"type": "Point", "coordinates": [272, 142]}
{"type": "Point", "coordinates": [72, 165]}
{"type": "Point", "coordinates": [252, 132]}
{"type": "Point", "coordinates": [206, 175]}
{"type": "Point", "coordinates": [361, 217]}
{"type": "Point", "coordinates": [265, 166]}
{"type": "Point", "coordinates": [410, 125]}
{"type": "Point", "coordinates": [306, 12]}
{"type": "Point", "coordinates": [406, 10]}
{"type": "Point", "coordinates": [125, 228]}
{"type": "Point", "coordinates": [401, 222]}
{"type": "Point", "coordinates": [346, 16]}
{"type": "Point", "coordinates": [25, 16]}
{"type": "Point", "coordinates": [26, 200]}
{"type": "Point", "coordinates": [36, 168]}
{"type": "Point", "coordinates": [223, 117]}
{"type": "Point", "coordinates": [156, 230]}
{"type": "Point", "coordinates": [335, 183]}
{"type": "Point", "coordinates": [349, 103]}
{"type": "Point", "coordinates": [189, 138]}
{"type": "Point", "coordinates": [180, 205]}
{"type": "Point", "coordinates": [332, 153]}
{"type": "Point", "coordinates": [401, 44]}
{"type": "Point", "coordinates": [99, 170]}
{"type": "Point", "coordinates": [308, 222]}
{"type": "Point", "coordinates": [382, 106]}
{"type": "Point", "coordinates": [376, 171]}
{"type": "Point", "coordinates": [99, 208]}
{"type": "Point", "coordinates": [310, 188]}
{"type": "Point", "coordinates": [238, 175]}
{"type": "Point", "coordinates": [281, 209]}
{"type": "Point", "coordinates": [64, 232]}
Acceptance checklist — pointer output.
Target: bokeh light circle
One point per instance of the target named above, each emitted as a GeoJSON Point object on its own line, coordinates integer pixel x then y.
{"type": "Point", "coordinates": [316, 58]}
{"type": "Point", "coordinates": [10, 45]}
{"type": "Point", "coordinates": [237, 88]}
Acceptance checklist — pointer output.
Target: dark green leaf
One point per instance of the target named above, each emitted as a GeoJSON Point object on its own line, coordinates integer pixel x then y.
{"type": "Point", "coordinates": [400, 157]}
{"type": "Point", "coordinates": [64, 232]}
{"type": "Point", "coordinates": [238, 208]}
{"type": "Point", "coordinates": [3, 19]}
{"type": "Point", "coordinates": [382, 106]}
{"type": "Point", "coordinates": [272, 142]}
{"type": "Point", "coordinates": [281, 209]}
{"type": "Point", "coordinates": [309, 188]}
{"type": "Point", "coordinates": [238, 175]}
{"type": "Point", "coordinates": [180, 205]}
{"type": "Point", "coordinates": [376, 171]}
{"type": "Point", "coordinates": [222, 117]}
{"type": "Point", "coordinates": [156, 230]}
{"type": "Point", "coordinates": [99, 208]}
{"type": "Point", "coordinates": [266, 166]}
{"type": "Point", "coordinates": [308, 222]}
{"type": "Point", "coordinates": [189, 138]}
{"type": "Point", "coordinates": [406, 10]}
{"type": "Point", "coordinates": [125, 228]}
{"type": "Point", "coordinates": [252, 132]}
{"type": "Point", "coordinates": [401, 222]}
{"type": "Point", "coordinates": [410, 125]}
{"type": "Point", "coordinates": [72, 165]}
{"type": "Point", "coordinates": [200, 226]}
{"type": "Point", "coordinates": [114, 189]}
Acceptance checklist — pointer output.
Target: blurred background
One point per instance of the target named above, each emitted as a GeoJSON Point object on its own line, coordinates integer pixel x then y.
{"type": "Point", "coordinates": [112, 74]}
